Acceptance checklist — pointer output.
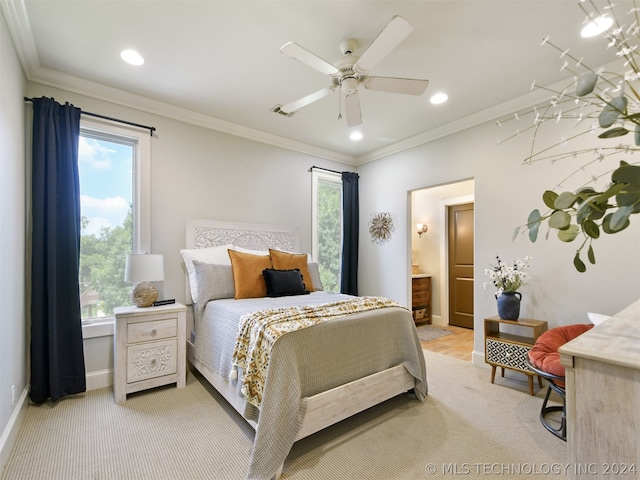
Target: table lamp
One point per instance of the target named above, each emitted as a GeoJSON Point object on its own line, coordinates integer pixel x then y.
{"type": "Point", "coordinates": [142, 269]}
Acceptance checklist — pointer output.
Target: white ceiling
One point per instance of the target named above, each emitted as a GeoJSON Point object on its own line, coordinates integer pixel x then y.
{"type": "Point", "coordinates": [218, 62]}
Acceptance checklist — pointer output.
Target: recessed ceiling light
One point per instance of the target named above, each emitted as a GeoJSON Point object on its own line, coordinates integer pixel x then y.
{"type": "Point", "coordinates": [596, 26]}
{"type": "Point", "coordinates": [132, 57]}
{"type": "Point", "coordinates": [439, 98]}
{"type": "Point", "coordinates": [355, 136]}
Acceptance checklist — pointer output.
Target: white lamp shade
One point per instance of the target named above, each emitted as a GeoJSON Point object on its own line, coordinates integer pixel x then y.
{"type": "Point", "coordinates": [144, 268]}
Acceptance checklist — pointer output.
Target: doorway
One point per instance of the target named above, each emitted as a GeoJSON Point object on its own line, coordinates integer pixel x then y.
{"type": "Point", "coordinates": [429, 251]}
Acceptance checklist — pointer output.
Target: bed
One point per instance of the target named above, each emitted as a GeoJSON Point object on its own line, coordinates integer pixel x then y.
{"type": "Point", "coordinates": [314, 376]}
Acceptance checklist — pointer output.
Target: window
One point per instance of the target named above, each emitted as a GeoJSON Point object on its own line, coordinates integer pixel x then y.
{"type": "Point", "coordinates": [113, 168]}
{"type": "Point", "coordinates": [327, 227]}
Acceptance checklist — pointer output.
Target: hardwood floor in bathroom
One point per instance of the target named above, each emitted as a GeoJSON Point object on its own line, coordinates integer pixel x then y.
{"type": "Point", "coordinates": [458, 345]}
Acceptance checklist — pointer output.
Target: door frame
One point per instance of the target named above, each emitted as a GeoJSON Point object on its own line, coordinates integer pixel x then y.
{"type": "Point", "coordinates": [444, 247]}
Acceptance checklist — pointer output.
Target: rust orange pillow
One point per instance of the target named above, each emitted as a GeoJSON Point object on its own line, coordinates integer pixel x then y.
{"type": "Point", "coordinates": [247, 268]}
{"type": "Point", "coordinates": [289, 261]}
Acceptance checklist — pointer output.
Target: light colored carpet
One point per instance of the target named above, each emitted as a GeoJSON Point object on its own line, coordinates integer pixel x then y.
{"type": "Point", "coordinates": [466, 427]}
{"type": "Point", "coordinates": [429, 332]}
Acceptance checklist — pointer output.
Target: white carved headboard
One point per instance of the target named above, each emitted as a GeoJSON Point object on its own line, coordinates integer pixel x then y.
{"type": "Point", "coordinates": [213, 233]}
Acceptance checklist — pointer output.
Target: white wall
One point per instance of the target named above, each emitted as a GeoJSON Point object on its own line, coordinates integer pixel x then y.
{"type": "Point", "coordinates": [505, 193]}
{"type": "Point", "coordinates": [13, 322]}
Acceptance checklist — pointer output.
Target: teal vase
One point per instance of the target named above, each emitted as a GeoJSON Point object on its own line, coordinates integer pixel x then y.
{"type": "Point", "coordinates": [509, 305]}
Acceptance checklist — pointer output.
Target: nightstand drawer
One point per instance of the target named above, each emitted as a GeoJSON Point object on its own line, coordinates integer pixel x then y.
{"type": "Point", "coordinates": [507, 354]}
{"type": "Point", "coordinates": [157, 330]}
{"type": "Point", "coordinates": [150, 360]}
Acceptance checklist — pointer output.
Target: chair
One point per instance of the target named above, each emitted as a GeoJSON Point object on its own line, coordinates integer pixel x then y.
{"type": "Point", "coordinates": [544, 360]}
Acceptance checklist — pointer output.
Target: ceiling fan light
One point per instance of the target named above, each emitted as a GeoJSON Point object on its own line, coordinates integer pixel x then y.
{"type": "Point", "coordinates": [132, 57]}
{"type": "Point", "coordinates": [439, 98]}
{"type": "Point", "coordinates": [596, 26]}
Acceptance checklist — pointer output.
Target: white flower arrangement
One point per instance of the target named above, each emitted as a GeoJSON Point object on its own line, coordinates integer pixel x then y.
{"type": "Point", "coordinates": [507, 278]}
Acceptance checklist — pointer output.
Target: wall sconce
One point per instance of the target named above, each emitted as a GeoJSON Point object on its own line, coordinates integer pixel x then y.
{"type": "Point", "coordinates": [142, 269]}
{"type": "Point", "coordinates": [422, 228]}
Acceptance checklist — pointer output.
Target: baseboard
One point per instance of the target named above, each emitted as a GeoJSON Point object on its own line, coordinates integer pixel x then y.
{"type": "Point", "coordinates": [99, 379]}
{"type": "Point", "coordinates": [477, 359]}
{"type": "Point", "coordinates": [10, 434]}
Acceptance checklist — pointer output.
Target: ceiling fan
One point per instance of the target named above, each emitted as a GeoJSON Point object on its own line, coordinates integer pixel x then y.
{"type": "Point", "coordinates": [353, 72]}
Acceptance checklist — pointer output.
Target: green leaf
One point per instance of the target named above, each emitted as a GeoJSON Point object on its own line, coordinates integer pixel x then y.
{"type": "Point", "coordinates": [591, 228]}
{"type": "Point", "coordinates": [627, 174]}
{"type": "Point", "coordinates": [628, 197]}
{"type": "Point", "coordinates": [620, 217]}
{"type": "Point", "coordinates": [559, 219]}
{"type": "Point", "coordinates": [565, 200]}
{"type": "Point", "coordinates": [533, 223]}
{"type": "Point", "coordinates": [586, 84]}
{"type": "Point", "coordinates": [614, 132]}
{"type": "Point", "coordinates": [637, 135]}
{"type": "Point", "coordinates": [569, 234]}
{"type": "Point", "coordinates": [549, 198]}
{"type": "Point", "coordinates": [612, 110]}
{"type": "Point", "coordinates": [590, 209]}
{"type": "Point", "coordinates": [516, 232]}
{"type": "Point", "coordinates": [591, 255]}
{"type": "Point", "coordinates": [606, 225]}
{"type": "Point", "coordinates": [579, 264]}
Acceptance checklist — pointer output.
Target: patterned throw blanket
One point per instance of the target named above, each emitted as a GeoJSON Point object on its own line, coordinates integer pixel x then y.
{"type": "Point", "coordinates": [259, 331]}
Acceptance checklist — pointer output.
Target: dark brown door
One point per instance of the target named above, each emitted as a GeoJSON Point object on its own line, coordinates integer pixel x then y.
{"type": "Point", "coordinates": [460, 239]}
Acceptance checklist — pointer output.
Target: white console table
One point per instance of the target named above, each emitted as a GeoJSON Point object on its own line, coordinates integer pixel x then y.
{"type": "Point", "coordinates": [603, 398]}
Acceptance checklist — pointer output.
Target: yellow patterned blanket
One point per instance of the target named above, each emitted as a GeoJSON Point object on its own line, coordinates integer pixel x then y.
{"type": "Point", "coordinates": [259, 331]}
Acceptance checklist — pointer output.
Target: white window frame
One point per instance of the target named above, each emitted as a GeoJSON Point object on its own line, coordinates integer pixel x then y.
{"type": "Point", "coordinates": [141, 142]}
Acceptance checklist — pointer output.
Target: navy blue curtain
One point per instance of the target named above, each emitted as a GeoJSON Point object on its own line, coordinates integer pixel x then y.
{"type": "Point", "coordinates": [350, 226]}
{"type": "Point", "coordinates": [57, 358]}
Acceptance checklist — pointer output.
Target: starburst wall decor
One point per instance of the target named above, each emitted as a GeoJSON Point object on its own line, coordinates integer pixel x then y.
{"type": "Point", "coordinates": [380, 227]}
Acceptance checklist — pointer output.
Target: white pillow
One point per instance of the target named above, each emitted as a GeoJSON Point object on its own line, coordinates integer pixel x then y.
{"type": "Point", "coordinates": [218, 255]}
{"type": "Point", "coordinates": [597, 318]}
{"type": "Point", "coordinates": [248, 250]}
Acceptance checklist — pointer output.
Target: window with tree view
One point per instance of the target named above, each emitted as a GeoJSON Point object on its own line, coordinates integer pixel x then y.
{"type": "Point", "coordinates": [106, 164]}
{"type": "Point", "coordinates": [327, 228]}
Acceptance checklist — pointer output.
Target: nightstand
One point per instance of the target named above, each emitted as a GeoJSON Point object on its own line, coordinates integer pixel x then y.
{"type": "Point", "coordinates": [149, 348]}
{"type": "Point", "coordinates": [509, 349]}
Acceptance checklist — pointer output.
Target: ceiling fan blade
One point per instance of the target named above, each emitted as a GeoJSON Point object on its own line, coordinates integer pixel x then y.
{"type": "Point", "coordinates": [408, 86]}
{"type": "Point", "coordinates": [352, 109]}
{"type": "Point", "coordinates": [304, 101]}
{"type": "Point", "coordinates": [303, 55]}
{"type": "Point", "coordinates": [395, 32]}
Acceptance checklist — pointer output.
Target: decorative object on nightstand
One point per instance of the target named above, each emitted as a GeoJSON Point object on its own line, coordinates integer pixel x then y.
{"type": "Point", "coordinates": [142, 269]}
{"type": "Point", "coordinates": [421, 298]}
{"type": "Point", "coordinates": [507, 344]}
{"type": "Point", "coordinates": [507, 279]}
{"type": "Point", "coordinates": [149, 348]}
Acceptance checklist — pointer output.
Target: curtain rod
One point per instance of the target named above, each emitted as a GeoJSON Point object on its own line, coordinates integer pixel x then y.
{"type": "Point", "coordinates": [104, 117]}
{"type": "Point", "coordinates": [325, 169]}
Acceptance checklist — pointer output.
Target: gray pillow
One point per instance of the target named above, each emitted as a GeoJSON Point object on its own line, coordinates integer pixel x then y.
{"type": "Point", "coordinates": [215, 281]}
{"type": "Point", "coordinates": [315, 276]}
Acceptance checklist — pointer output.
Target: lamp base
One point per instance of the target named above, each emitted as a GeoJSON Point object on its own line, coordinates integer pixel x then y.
{"type": "Point", "coordinates": [144, 294]}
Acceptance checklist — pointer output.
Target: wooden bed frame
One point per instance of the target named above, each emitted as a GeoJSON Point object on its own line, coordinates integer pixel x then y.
{"type": "Point", "coordinates": [325, 408]}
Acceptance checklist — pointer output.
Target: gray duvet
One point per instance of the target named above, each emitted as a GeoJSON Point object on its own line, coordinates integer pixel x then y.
{"type": "Point", "coordinates": [306, 362]}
